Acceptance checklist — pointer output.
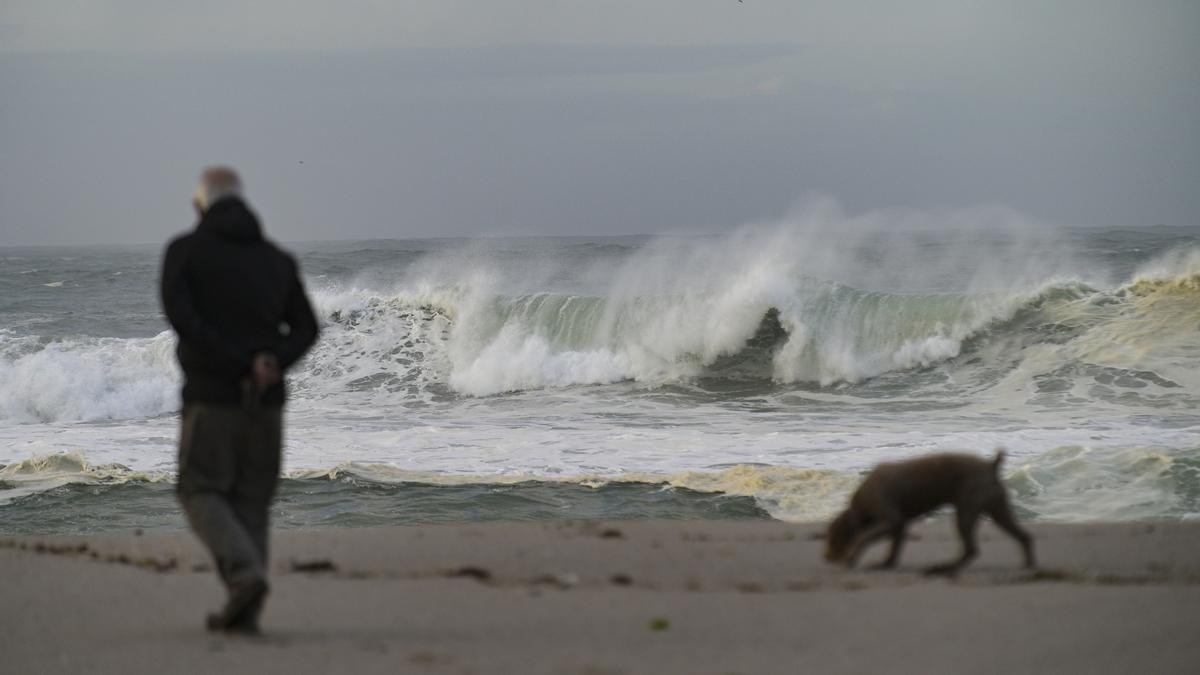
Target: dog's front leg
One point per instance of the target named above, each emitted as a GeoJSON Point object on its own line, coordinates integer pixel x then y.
{"type": "Point", "coordinates": [893, 556]}
{"type": "Point", "coordinates": [865, 539]}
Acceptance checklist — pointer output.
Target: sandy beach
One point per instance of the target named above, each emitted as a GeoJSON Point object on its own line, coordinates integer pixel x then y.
{"type": "Point", "coordinates": [622, 597]}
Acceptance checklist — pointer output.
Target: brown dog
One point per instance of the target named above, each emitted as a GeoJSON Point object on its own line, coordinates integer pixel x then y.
{"type": "Point", "coordinates": [893, 494]}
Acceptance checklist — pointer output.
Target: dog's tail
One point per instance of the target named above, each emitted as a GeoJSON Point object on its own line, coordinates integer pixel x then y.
{"type": "Point", "coordinates": [998, 460]}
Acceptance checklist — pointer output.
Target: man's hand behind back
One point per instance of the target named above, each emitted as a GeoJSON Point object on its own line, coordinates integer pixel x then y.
{"type": "Point", "coordinates": [265, 371]}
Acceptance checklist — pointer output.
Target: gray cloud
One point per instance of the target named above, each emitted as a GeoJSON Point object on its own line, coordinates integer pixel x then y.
{"type": "Point", "coordinates": [631, 123]}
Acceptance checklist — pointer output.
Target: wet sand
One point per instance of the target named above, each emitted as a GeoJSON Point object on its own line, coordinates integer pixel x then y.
{"type": "Point", "coordinates": [626, 597]}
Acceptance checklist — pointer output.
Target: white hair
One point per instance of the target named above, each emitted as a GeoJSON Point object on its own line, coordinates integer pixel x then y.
{"type": "Point", "coordinates": [216, 183]}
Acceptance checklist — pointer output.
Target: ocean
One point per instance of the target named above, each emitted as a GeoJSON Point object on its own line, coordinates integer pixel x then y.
{"type": "Point", "coordinates": [750, 374]}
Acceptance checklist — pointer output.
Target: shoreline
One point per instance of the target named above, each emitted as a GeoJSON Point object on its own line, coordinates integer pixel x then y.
{"type": "Point", "coordinates": [611, 597]}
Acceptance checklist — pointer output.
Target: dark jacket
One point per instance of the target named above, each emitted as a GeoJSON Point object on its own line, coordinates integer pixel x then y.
{"type": "Point", "coordinates": [229, 293]}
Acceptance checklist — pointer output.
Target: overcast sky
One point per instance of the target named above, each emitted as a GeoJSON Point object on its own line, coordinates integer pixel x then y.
{"type": "Point", "coordinates": [363, 119]}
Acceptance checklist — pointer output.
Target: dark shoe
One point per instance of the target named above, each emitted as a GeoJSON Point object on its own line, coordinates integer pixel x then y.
{"type": "Point", "coordinates": [216, 623]}
{"type": "Point", "coordinates": [233, 617]}
{"type": "Point", "coordinates": [247, 628]}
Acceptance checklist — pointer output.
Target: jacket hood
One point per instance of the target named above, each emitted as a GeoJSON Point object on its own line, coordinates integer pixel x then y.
{"type": "Point", "coordinates": [230, 218]}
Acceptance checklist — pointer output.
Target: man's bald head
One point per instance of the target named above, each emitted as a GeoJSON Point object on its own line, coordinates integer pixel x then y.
{"type": "Point", "coordinates": [216, 183]}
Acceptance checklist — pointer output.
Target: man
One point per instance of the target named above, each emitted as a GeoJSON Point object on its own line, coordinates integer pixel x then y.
{"type": "Point", "coordinates": [239, 308]}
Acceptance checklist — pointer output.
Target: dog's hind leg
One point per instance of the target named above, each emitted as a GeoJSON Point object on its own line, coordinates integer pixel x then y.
{"type": "Point", "coordinates": [966, 519]}
{"type": "Point", "coordinates": [1002, 515]}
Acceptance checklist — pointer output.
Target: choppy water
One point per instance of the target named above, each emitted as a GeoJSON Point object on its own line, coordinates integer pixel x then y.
{"type": "Point", "coordinates": [743, 375]}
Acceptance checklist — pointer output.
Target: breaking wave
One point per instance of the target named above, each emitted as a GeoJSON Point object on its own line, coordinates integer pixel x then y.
{"type": "Point", "coordinates": [757, 318]}
{"type": "Point", "coordinates": [819, 333]}
{"type": "Point", "coordinates": [47, 472]}
{"type": "Point", "coordinates": [86, 379]}
{"type": "Point", "coordinates": [730, 311]}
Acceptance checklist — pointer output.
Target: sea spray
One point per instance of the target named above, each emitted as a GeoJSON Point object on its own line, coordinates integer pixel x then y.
{"type": "Point", "coordinates": [677, 305]}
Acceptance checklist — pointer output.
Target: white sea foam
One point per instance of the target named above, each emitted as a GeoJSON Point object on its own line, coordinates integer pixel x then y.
{"type": "Point", "coordinates": [46, 472]}
{"type": "Point", "coordinates": [1065, 484]}
{"type": "Point", "coordinates": [1082, 483]}
{"type": "Point", "coordinates": [87, 379]}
